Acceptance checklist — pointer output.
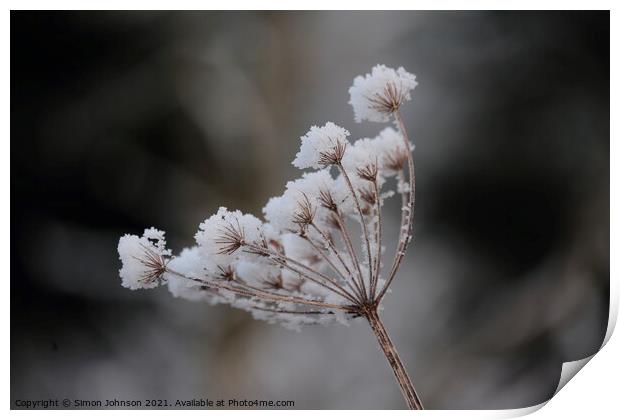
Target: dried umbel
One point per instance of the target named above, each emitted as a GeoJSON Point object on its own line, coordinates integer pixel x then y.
{"type": "Point", "coordinates": [301, 265]}
{"type": "Point", "coordinates": [376, 96]}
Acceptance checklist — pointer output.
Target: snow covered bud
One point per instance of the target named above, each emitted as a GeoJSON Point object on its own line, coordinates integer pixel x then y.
{"type": "Point", "coordinates": [377, 95]}
{"type": "Point", "coordinates": [322, 146]}
{"type": "Point", "coordinates": [143, 259]}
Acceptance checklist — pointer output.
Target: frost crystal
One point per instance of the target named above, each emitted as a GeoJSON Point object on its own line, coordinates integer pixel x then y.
{"type": "Point", "coordinates": [377, 95]}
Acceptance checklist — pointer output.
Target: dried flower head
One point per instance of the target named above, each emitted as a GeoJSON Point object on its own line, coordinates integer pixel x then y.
{"type": "Point", "coordinates": [227, 231]}
{"type": "Point", "coordinates": [144, 259]}
{"type": "Point", "coordinates": [368, 172]}
{"type": "Point", "coordinates": [392, 152]}
{"type": "Point", "coordinates": [322, 146]}
{"type": "Point", "coordinates": [231, 237]}
{"type": "Point", "coordinates": [377, 95]}
{"type": "Point", "coordinates": [326, 199]}
{"type": "Point", "coordinates": [304, 213]}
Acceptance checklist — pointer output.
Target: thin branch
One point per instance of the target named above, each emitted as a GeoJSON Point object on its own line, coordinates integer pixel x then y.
{"type": "Point", "coordinates": [284, 311]}
{"type": "Point", "coordinates": [345, 293]}
{"type": "Point", "coordinates": [346, 238]}
{"type": "Point", "coordinates": [283, 259]}
{"type": "Point", "coordinates": [336, 270]}
{"type": "Point", "coordinates": [407, 221]}
{"type": "Point", "coordinates": [267, 296]}
{"type": "Point", "coordinates": [375, 280]}
{"type": "Point", "coordinates": [361, 215]}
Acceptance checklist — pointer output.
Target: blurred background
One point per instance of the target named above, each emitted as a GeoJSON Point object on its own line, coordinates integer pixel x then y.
{"type": "Point", "coordinates": [122, 121]}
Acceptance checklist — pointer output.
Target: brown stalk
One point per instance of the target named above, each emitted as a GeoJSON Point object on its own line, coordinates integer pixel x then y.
{"type": "Point", "coordinates": [407, 221]}
{"type": "Point", "coordinates": [370, 310]}
{"type": "Point", "coordinates": [375, 280]}
{"type": "Point", "coordinates": [386, 344]}
{"type": "Point", "coordinates": [364, 228]}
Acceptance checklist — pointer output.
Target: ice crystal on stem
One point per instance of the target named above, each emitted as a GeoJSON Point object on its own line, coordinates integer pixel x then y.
{"type": "Point", "coordinates": [302, 265]}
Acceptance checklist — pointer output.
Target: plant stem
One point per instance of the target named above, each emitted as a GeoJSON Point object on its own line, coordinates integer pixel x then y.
{"type": "Point", "coordinates": [378, 241]}
{"type": "Point", "coordinates": [406, 229]}
{"type": "Point", "coordinates": [362, 223]}
{"type": "Point", "coordinates": [330, 243]}
{"type": "Point", "coordinates": [404, 382]}
{"type": "Point", "coordinates": [267, 296]}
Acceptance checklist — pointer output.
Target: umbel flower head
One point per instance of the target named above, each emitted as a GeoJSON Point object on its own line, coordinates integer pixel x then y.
{"type": "Point", "coordinates": [377, 95]}
{"type": "Point", "coordinates": [144, 259]}
{"type": "Point", "coordinates": [322, 146]}
{"type": "Point", "coordinates": [302, 263]}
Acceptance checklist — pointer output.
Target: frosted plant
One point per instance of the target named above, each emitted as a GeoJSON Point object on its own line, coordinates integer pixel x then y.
{"type": "Point", "coordinates": [144, 259]}
{"type": "Point", "coordinates": [378, 95]}
{"type": "Point", "coordinates": [302, 265]}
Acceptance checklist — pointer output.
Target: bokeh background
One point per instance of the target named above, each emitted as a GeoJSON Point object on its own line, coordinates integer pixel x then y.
{"type": "Point", "coordinates": [122, 121]}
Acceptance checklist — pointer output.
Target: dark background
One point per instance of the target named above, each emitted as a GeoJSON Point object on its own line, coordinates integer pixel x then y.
{"type": "Point", "coordinates": [121, 121]}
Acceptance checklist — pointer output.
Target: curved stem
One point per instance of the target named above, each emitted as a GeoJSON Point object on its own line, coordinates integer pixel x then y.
{"type": "Point", "coordinates": [346, 238]}
{"type": "Point", "coordinates": [379, 239]}
{"type": "Point", "coordinates": [364, 228]}
{"type": "Point", "coordinates": [402, 377]}
{"type": "Point", "coordinates": [408, 211]}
